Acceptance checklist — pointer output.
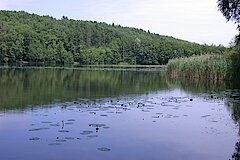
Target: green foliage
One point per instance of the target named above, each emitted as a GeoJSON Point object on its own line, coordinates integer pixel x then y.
{"type": "Point", "coordinates": [32, 38]}
{"type": "Point", "coordinates": [235, 68]}
{"type": "Point", "coordinates": [231, 10]}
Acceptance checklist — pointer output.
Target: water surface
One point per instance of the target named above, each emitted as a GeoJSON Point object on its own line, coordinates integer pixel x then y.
{"type": "Point", "coordinates": [114, 114]}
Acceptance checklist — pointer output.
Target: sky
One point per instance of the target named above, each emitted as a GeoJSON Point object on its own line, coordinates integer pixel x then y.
{"type": "Point", "coordinates": [192, 20]}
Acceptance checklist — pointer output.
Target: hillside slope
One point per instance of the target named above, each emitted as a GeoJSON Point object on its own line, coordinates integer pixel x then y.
{"type": "Point", "coordinates": [33, 38]}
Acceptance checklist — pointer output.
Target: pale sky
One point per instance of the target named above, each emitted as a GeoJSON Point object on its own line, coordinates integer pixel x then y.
{"type": "Point", "coordinates": [192, 20]}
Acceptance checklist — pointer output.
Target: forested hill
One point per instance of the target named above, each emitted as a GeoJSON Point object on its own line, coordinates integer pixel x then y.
{"type": "Point", "coordinates": [32, 38]}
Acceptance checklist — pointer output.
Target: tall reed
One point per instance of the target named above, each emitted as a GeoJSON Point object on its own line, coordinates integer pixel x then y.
{"type": "Point", "coordinates": [215, 67]}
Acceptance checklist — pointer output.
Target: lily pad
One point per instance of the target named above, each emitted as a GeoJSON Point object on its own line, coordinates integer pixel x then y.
{"type": "Point", "coordinates": [55, 125]}
{"type": "Point", "coordinates": [63, 131]}
{"type": "Point", "coordinates": [69, 123]}
{"type": "Point", "coordinates": [69, 138]}
{"type": "Point", "coordinates": [104, 149]}
{"type": "Point", "coordinates": [34, 139]}
{"type": "Point", "coordinates": [71, 120]}
{"type": "Point", "coordinates": [38, 129]}
{"type": "Point", "coordinates": [46, 122]}
{"type": "Point", "coordinates": [54, 144]}
{"type": "Point", "coordinates": [61, 140]}
{"type": "Point", "coordinates": [86, 132]}
{"type": "Point", "coordinates": [92, 136]}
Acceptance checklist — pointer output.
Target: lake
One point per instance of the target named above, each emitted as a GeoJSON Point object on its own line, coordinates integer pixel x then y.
{"type": "Point", "coordinates": [115, 114]}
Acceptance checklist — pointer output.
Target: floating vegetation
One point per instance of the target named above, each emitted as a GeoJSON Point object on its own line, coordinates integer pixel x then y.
{"type": "Point", "coordinates": [103, 115]}
{"type": "Point", "coordinates": [63, 131]}
{"type": "Point", "coordinates": [46, 122]}
{"type": "Point", "coordinates": [69, 123]}
{"type": "Point", "coordinates": [54, 144]}
{"type": "Point", "coordinates": [104, 149]}
{"type": "Point", "coordinates": [86, 132]}
{"type": "Point", "coordinates": [55, 125]}
{"type": "Point", "coordinates": [155, 117]}
{"type": "Point", "coordinates": [175, 116]}
{"type": "Point", "coordinates": [34, 139]}
{"type": "Point", "coordinates": [69, 138]}
{"type": "Point", "coordinates": [92, 136]}
{"type": "Point", "coordinates": [152, 111]}
{"type": "Point", "coordinates": [110, 112]}
{"type": "Point", "coordinates": [150, 108]}
{"type": "Point", "coordinates": [61, 140]}
{"type": "Point", "coordinates": [205, 116]}
{"type": "Point", "coordinates": [145, 110]}
{"type": "Point", "coordinates": [119, 112]}
{"type": "Point", "coordinates": [71, 120]}
{"type": "Point", "coordinates": [38, 129]}
{"type": "Point", "coordinates": [97, 125]}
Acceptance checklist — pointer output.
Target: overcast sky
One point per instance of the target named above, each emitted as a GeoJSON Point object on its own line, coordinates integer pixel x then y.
{"type": "Point", "coordinates": [193, 20]}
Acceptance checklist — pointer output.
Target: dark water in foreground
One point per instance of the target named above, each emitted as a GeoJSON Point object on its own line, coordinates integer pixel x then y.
{"type": "Point", "coordinates": [114, 114]}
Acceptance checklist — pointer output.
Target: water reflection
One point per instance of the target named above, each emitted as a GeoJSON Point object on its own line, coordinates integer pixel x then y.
{"type": "Point", "coordinates": [21, 87]}
{"type": "Point", "coordinates": [233, 104]}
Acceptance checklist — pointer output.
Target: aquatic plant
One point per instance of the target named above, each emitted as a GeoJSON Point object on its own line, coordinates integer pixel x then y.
{"type": "Point", "coordinates": [210, 66]}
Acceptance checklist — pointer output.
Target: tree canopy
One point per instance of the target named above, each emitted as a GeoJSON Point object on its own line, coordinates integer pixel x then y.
{"type": "Point", "coordinates": [231, 10]}
{"type": "Point", "coordinates": [32, 38]}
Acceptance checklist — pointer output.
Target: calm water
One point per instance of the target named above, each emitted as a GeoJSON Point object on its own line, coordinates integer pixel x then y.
{"type": "Point", "coordinates": [114, 114]}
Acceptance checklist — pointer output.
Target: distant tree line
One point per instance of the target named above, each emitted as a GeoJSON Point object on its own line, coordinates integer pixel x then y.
{"type": "Point", "coordinates": [44, 39]}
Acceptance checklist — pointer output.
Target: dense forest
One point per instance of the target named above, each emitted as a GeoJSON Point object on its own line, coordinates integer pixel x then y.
{"type": "Point", "coordinates": [28, 37]}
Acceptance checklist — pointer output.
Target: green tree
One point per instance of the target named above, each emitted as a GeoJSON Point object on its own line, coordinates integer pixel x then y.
{"type": "Point", "coordinates": [231, 10]}
{"type": "Point", "coordinates": [34, 38]}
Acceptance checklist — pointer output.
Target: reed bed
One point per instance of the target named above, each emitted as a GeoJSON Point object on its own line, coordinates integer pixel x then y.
{"type": "Point", "coordinates": [215, 67]}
